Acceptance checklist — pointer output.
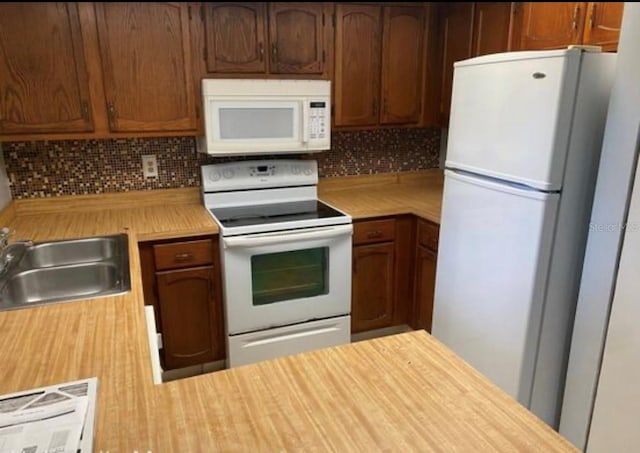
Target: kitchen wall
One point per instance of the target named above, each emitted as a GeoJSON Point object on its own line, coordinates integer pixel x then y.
{"type": "Point", "coordinates": [74, 167]}
{"type": "Point", "coordinates": [5, 190]}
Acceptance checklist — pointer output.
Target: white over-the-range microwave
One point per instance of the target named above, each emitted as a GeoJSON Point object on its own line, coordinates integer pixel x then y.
{"type": "Point", "coordinates": [265, 116]}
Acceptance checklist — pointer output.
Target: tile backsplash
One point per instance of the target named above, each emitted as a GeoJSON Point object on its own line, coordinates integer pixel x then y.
{"type": "Point", "coordinates": [74, 167]}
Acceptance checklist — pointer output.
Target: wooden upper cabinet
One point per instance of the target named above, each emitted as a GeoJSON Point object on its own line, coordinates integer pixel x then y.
{"type": "Point", "coordinates": [234, 37]}
{"type": "Point", "coordinates": [491, 23]}
{"type": "Point", "coordinates": [603, 24]}
{"type": "Point", "coordinates": [146, 66]}
{"type": "Point", "coordinates": [357, 64]}
{"type": "Point", "coordinates": [43, 78]}
{"type": "Point", "coordinates": [296, 37]}
{"type": "Point", "coordinates": [551, 25]}
{"type": "Point", "coordinates": [456, 22]}
{"type": "Point", "coordinates": [402, 57]}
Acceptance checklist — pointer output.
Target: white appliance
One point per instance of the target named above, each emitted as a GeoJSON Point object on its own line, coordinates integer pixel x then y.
{"type": "Point", "coordinates": [265, 116]}
{"type": "Point", "coordinates": [286, 259]}
{"type": "Point", "coordinates": [524, 141]}
{"type": "Point", "coordinates": [607, 304]}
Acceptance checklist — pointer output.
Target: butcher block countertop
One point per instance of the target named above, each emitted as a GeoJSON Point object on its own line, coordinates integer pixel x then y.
{"type": "Point", "coordinates": [418, 193]}
{"type": "Point", "coordinates": [400, 393]}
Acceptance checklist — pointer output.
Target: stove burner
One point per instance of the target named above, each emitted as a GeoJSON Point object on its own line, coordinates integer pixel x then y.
{"type": "Point", "coordinates": [273, 213]}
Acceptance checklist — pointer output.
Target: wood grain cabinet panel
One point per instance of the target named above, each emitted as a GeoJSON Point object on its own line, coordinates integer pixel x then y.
{"type": "Point", "coordinates": [357, 64]}
{"type": "Point", "coordinates": [296, 37]}
{"type": "Point", "coordinates": [187, 301]}
{"type": "Point", "coordinates": [425, 282]}
{"type": "Point", "coordinates": [372, 286]}
{"type": "Point", "coordinates": [146, 65]}
{"type": "Point", "coordinates": [551, 25]}
{"type": "Point", "coordinates": [456, 31]}
{"type": "Point", "coordinates": [603, 24]}
{"type": "Point", "coordinates": [43, 76]}
{"type": "Point", "coordinates": [402, 60]}
{"type": "Point", "coordinates": [491, 23]}
{"type": "Point", "coordinates": [235, 37]}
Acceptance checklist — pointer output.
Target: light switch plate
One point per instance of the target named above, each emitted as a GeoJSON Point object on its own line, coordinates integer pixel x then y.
{"type": "Point", "coordinates": [150, 166]}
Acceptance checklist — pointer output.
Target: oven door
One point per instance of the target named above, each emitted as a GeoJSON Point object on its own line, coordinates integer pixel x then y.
{"type": "Point", "coordinates": [286, 277]}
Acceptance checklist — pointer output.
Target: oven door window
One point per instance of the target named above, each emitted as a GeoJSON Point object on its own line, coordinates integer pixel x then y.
{"type": "Point", "coordinates": [296, 274]}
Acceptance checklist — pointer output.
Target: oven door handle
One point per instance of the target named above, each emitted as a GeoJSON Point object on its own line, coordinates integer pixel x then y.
{"type": "Point", "coordinates": [281, 237]}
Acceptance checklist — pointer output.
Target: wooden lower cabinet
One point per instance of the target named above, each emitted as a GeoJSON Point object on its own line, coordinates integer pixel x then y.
{"type": "Point", "coordinates": [187, 300]}
{"type": "Point", "coordinates": [189, 316]}
{"type": "Point", "coordinates": [425, 285]}
{"type": "Point", "coordinates": [425, 274]}
{"type": "Point", "coordinates": [373, 286]}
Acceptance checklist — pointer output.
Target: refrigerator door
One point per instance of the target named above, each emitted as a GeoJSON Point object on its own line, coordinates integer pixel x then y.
{"type": "Point", "coordinates": [493, 259]}
{"type": "Point", "coordinates": [511, 116]}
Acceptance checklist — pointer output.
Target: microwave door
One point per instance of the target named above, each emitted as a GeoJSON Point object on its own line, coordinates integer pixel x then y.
{"type": "Point", "coordinates": [258, 125]}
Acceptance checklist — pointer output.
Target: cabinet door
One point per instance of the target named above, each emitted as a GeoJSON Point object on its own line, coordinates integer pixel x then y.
{"type": "Point", "coordinates": [491, 24]}
{"type": "Point", "coordinates": [456, 26]}
{"type": "Point", "coordinates": [357, 77]}
{"type": "Point", "coordinates": [551, 25]}
{"type": "Point", "coordinates": [425, 285]}
{"type": "Point", "coordinates": [43, 79]}
{"type": "Point", "coordinates": [402, 57]}
{"type": "Point", "coordinates": [603, 24]}
{"type": "Point", "coordinates": [235, 37]}
{"type": "Point", "coordinates": [296, 37]}
{"type": "Point", "coordinates": [191, 316]}
{"type": "Point", "coordinates": [146, 66]}
{"type": "Point", "coordinates": [372, 298]}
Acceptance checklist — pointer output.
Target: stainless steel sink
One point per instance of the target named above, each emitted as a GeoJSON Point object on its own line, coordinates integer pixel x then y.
{"type": "Point", "coordinates": [74, 251]}
{"type": "Point", "coordinates": [68, 270]}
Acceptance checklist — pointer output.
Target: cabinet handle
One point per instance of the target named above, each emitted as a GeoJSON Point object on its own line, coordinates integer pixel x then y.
{"type": "Point", "coordinates": [374, 234]}
{"type": "Point", "coordinates": [374, 106]}
{"type": "Point", "coordinates": [261, 51]}
{"type": "Point", "coordinates": [112, 114]}
{"type": "Point", "coordinates": [593, 14]}
{"type": "Point", "coordinates": [85, 110]}
{"type": "Point", "coordinates": [576, 11]}
{"type": "Point", "coordinates": [182, 257]}
{"type": "Point", "coordinates": [274, 51]}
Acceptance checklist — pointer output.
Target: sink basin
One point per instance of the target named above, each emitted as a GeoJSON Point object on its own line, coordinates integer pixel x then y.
{"type": "Point", "coordinates": [74, 251]}
{"type": "Point", "coordinates": [67, 270]}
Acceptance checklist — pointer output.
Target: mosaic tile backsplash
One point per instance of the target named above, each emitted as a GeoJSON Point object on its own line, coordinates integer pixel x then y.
{"type": "Point", "coordinates": [74, 167]}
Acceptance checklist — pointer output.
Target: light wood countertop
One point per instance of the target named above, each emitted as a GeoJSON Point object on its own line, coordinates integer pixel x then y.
{"type": "Point", "coordinates": [400, 393]}
{"type": "Point", "coordinates": [418, 193]}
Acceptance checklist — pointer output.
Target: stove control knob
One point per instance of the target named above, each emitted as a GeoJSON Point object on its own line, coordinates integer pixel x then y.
{"type": "Point", "coordinates": [214, 176]}
{"type": "Point", "coordinates": [295, 170]}
{"type": "Point", "coordinates": [228, 173]}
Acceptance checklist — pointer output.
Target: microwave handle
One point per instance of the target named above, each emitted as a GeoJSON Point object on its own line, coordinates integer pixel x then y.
{"type": "Point", "coordinates": [306, 119]}
{"type": "Point", "coordinates": [282, 237]}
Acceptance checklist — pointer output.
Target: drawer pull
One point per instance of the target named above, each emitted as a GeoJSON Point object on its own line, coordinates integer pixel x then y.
{"type": "Point", "coordinates": [182, 257]}
{"type": "Point", "coordinates": [374, 234]}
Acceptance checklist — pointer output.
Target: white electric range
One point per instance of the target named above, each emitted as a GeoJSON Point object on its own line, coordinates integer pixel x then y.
{"type": "Point", "coordinates": [286, 259]}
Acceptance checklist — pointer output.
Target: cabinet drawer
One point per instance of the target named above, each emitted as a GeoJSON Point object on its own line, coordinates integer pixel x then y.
{"type": "Point", "coordinates": [374, 231]}
{"type": "Point", "coordinates": [183, 254]}
{"type": "Point", "coordinates": [428, 235]}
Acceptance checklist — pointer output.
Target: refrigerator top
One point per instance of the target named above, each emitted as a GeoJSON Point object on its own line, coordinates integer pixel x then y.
{"type": "Point", "coordinates": [522, 55]}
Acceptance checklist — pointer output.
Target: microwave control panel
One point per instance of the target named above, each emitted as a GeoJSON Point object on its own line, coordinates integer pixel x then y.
{"type": "Point", "coordinates": [319, 118]}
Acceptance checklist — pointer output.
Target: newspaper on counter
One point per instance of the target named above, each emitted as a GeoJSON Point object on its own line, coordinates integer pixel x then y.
{"type": "Point", "coordinates": [55, 419]}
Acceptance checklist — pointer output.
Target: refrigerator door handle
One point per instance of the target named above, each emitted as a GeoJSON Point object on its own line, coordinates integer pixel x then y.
{"type": "Point", "coordinates": [503, 186]}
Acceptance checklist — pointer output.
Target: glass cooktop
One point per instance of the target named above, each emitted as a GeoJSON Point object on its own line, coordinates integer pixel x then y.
{"type": "Point", "coordinates": [265, 214]}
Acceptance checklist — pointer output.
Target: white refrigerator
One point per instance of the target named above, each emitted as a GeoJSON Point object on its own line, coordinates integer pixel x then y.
{"type": "Point", "coordinates": [522, 154]}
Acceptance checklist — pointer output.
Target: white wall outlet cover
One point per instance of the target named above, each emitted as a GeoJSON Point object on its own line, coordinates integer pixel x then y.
{"type": "Point", "coordinates": [150, 166]}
